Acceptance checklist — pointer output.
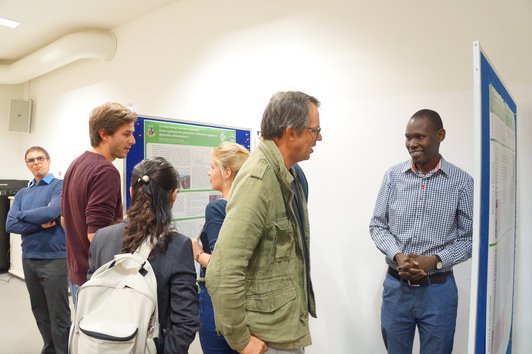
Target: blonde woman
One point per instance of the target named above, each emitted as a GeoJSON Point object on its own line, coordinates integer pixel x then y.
{"type": "Point", "coordinates": [227, 159]}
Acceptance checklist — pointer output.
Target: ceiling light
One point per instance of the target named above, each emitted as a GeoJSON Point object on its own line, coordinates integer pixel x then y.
{"type": "Point", "coordinates": [9, 23]}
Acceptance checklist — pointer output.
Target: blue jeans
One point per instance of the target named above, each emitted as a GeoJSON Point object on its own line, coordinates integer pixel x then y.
{"type": "Point", "coordinates": [432, 308]}
{"type": "Point", "coordinates": [211, 342]}
{"type": "Point", "coordinates": [74, 292]}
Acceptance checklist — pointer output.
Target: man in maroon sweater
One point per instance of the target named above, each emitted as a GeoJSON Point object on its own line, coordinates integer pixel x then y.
{"type": "Point", "coordinates": [91, 197]}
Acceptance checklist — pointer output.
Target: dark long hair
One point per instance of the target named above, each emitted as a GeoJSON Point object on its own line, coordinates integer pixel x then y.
{"type": "Point", "coordinates": [150, 213]}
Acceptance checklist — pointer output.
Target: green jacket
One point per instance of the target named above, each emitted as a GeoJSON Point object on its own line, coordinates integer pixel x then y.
{"type": "Point", "coordinates": [256, 276]}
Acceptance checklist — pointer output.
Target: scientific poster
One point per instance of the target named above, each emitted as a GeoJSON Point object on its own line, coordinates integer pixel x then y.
{"type": "Point", "coordinates": [502, 224]}
{"type": "Point", "coordinates": [188, 147]}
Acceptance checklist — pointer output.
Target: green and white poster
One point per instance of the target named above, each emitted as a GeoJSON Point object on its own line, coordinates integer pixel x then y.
{"type": "Point", "coordinates": [188, 147]}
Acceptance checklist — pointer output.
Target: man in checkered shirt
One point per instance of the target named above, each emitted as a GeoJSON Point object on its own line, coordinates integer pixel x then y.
{"type": "Point", "coordinates": [422, 223]}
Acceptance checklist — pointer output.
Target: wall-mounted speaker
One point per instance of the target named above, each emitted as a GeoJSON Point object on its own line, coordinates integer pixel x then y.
{"type": "Point", "coordinates": [20, 115]}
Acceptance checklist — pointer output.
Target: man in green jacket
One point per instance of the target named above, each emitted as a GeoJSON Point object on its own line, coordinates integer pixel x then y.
{"type": "Point", "coordinates": [259, 274]}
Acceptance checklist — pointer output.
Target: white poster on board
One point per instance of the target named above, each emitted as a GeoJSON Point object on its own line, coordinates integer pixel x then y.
{"type": "Point", "coordinates": [502, 224]}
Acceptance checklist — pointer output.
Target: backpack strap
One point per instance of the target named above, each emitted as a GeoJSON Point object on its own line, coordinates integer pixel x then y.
{"type": "Point", "coordinates": [153, 330]}
{"type": "Point", "coordinates": [145, 248]}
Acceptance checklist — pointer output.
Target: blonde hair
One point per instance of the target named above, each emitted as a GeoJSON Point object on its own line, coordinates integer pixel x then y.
{"type": "Point", "coordinates": [230, 156]}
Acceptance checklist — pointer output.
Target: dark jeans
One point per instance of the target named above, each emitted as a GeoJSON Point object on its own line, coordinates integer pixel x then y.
{"type": "Point", "coordinates": [46, 280]}
{"type": "Point", "coordinates": [211, 342]}
{"type": "Point", "coordinates": [430, 308]}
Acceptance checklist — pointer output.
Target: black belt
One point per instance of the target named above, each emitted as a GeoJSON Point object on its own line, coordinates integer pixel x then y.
{"type": "Point", "coordinates": [437, 278]}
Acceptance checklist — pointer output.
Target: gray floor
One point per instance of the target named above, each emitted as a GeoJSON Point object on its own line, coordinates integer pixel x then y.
{"type": "Point", "coordinates": [18, 331]}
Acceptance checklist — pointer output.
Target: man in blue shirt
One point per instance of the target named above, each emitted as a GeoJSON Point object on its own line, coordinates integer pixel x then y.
{"type": "Point", "coordinates": [422, 223]}
{"type": "Point", "coordinates": [35, 214]}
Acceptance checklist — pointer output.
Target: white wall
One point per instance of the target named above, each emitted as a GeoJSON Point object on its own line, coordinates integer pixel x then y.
{"type": "Point", "coordinates": [523, 304]}
{"type": "Point", "coordinates": [11, 143]}
{"type": "Point", "coordinates": [363, 142]}
{"type": "Point", "coordinates": [220, 63]}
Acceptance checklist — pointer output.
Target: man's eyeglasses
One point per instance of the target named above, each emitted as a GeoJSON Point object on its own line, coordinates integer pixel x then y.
{"type": "Point", "coordinates": [36, 159]}
{"type": "Point", "coordinates": [316, 130]}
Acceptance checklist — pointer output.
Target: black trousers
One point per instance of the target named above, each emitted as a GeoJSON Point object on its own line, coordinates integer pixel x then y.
{"type": "Point", "coordinates": [46, 280]}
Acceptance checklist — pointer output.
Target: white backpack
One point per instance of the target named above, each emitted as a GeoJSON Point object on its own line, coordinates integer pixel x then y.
{"type": "Point", "coordinates": [116, 311]}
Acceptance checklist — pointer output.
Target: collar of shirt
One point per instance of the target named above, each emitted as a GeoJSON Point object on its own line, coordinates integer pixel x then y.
{"type": "Point", "coordinates": [46, 180]}
{"type": "Point", "coordinates": [440, 166]}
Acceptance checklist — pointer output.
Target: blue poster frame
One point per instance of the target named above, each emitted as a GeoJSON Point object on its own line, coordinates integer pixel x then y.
{"type": "Point", "coordinates": [488, 77]}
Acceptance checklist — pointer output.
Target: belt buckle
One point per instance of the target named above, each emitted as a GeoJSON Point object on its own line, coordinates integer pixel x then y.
{"type": "Point", "coordinates": [413, 285]}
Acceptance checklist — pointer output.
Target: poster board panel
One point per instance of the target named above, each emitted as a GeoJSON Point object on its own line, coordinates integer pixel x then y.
{"type": "Point", "coordinates": [188, 147]}
{"type": "Point", "coordinates": [495, 204]}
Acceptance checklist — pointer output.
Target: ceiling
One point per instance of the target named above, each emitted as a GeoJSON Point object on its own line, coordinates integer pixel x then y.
{"type": "Point", "coordinates": [43, 22]}
{"type": "Point", "coordinates": [504, 29]}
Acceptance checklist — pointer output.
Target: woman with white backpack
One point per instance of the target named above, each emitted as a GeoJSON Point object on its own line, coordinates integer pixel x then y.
{"type": "Point", "coordinates": [154, 187]}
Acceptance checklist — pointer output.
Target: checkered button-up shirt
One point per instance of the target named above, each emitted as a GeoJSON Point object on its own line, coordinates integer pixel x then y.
{"type": "Point", "coordinates": [428, 214]}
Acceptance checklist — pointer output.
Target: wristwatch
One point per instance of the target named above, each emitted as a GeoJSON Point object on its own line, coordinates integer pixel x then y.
{"type": "Point", "coordinates": [439, 263]}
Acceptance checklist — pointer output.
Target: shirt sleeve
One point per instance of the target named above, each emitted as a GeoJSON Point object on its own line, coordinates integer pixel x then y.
{"type": "Point", "coordinates": [241, 231]}
{"type": "Point", "coordinates": [214, 218]}
{"type": "Point", "coordinates": [379, 228]}
{"type": "Point", "coordinates": [44, 214]}
{"type": "Point", "coordinates": [13, 224]}
{"type": "Point", "coordinates": [183, 321]}
{"type": "Point", "coordinates": [103, 199]}
{"type": "Point", "coordinates": [461, 249]}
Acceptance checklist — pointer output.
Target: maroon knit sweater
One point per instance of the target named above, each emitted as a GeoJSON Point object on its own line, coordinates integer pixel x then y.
{"type": "Point", "coordinates": [91, 199]}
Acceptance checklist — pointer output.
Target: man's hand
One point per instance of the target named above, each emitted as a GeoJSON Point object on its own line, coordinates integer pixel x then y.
{"type": "Point", "coordinates": [48, 225]}
{"type": "Point", "coordinates": [411, 267]}
{"type": "Point", "coordinates": [254, 346]}
{"type": "Point", "coordinates": [427, 263]}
